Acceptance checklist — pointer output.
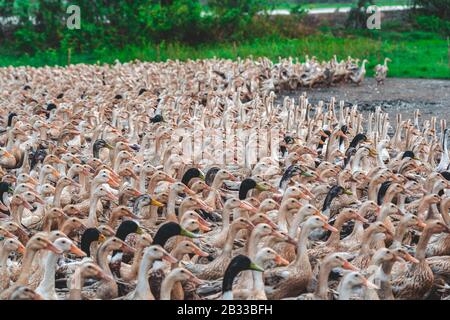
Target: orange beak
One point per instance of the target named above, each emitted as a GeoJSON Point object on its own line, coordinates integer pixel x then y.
{"type": "Point", "coordinates": [21, 249]}
{"type": "Point", "coordinates": [280, 261]}
{"type": "Point", "coordinates": [189, 191]}
{"type": "Point", "coordinates": [167, 257]}
{"type": "Point", "coordinates": [56, 174]}
{"type": "Point", "coordinates": [411, 259]}
{"type": "Point", "coordinates": [200, 253]}
{"type": "Point", "coordinates": [113, 183]}
{"type": "Point", "coordinates": [347, 265]}
{"type": "Point", "coordinates": [321, 216]}
{"type": "Point", "coordinates": [52, 248]}
{"type": "Point", "coordinates": [204, 228]}
{"type": "Point", "coordinates": [329, 227]}
{"type": "Point", "coordinates": [3, 207]}
{"type": "Point", "coordinates": [247, 206]}
{"type": "Point", "coordinates": [39, 200]}
{"type": "Point", "coordinates": [126, 248]}
{"type": "Point", "coordinates": [421, 224]}
{"type": "Point", "coordinates": [360, 218]}
{"type": "Point", "coordinates": [77, 251]}
{"type": "Point", "coordinates": [27, 205]}
{"type": "Point", "coordinates": [370, 285]}
{"type": "Point", "coordinates": [111, 197]}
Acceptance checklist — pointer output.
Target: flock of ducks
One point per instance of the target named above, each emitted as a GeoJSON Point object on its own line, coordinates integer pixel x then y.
{"type": "Point", "coordinates": [112, 187]}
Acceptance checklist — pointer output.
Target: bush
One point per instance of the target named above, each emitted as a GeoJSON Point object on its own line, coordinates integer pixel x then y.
{"type": "Point", "coordinates": [433, 24]}
{"type": "Point", "coordinates": [439, 8]}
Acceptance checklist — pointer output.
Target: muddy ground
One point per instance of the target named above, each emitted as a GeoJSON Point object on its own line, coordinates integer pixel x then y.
{"type": "Point", "coordinates": [431, 97]}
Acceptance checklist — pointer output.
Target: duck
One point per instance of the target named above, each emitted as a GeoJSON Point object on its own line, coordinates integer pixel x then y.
{"type": "Point", "coordinates": [381, 71]}
{"type": "Point", "coordinates": [417, 280]}
{"type": "Point", "coordinates": [235, 266]}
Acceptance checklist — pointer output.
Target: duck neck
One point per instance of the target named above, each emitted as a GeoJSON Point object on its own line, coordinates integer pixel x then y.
{"type": "Point", "coordinates": [143, 286]}
{"type": "Point", "coordinates": [302, 247]}
{"type": "Point", "coordinates": [92, 218]}
{"type": "Point", "coordinates": [47, 285]}
{"type": "Point", "coordinates": [232, 231]}
{"type": "Point", "coordinates": [322, 284]}
{"type": "Point", "coordinates": [26, 267]}
{"type": "Point", "coordinates": [102, 259]}
{"type": "Point", "coordinates": [4, 254]}
{"type": "Point", "coordinates": [399, 235]}
{"type": "Point", "coordinates": [57, 198]}
{"type": "Point", "coordinates": [335, 237]}
{"type": "Point", "coordinates": [171, 205]}
{"type": "Point", "coordinates": [76, 284]}
{"type": "Point", "coordinates": [422, 244]}
{"type": "Point", "coordinates": [373, 190]}
{"type": "Point", "coordinates": [166, 287]}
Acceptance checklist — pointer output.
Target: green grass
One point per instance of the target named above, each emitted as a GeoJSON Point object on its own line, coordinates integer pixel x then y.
{"type": "Point", "coordinates": [340, 5]}
{"type": "Point", "coordinates": [419, 55]}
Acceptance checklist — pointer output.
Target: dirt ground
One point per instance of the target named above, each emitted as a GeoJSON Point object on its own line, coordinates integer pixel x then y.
{"type": "Point", "coordinates": [431, 97]}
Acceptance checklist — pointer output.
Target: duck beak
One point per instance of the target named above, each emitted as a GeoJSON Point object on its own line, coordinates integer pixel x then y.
{"type": "Point", "coordinates": [139, 230]}
{"type": "Point", "coordinates": [275, 233]}
{"type": "Point", "coordinates": [108, 146]}
{"type": "Point", "coordinates": [280, 261]}
{"type": "Point", "coordinates": [320, 215]}
{"type": "Point", "coordinates": [39, 200]}
{"type": "Point", "coordinates": [204, 228]}
{"type": "Point", "coordinates": [77, 251]}
{"type": "Point", "coordinates": [113, 183]}
{"type": "Point", "coordinates": [136, 193]}
{"type": "Point", "coordinates": [270, 223]}
{"type": "Point", "coordinates": [247, 206]}
{"type": "Point", "coordinates": [75, 184]}
{"type": "Point", "coordinates": [21, 249]}
{"type": "Point", "coordinates": [200, 253]}
{"type": "Point", "coordinates": [202, 221]}
{"type": "Point", "coordinates": [348, 192]}
{"type": "Point", "coordinates": [111, 197]}
{"type": "Point", "coordinates": [360, 218]}
{"type": "Point", "coordinates": [189, 234]}
{"type": "Point", "coordinates": [167, 257]}
{"type": "Point", "coordinates": [52, 248]}
{"type": "Point", "coordinates": [101, 238]}
{"type": "Point", "coordinates": [27, 205]}
{"type": "Point", "coordinates": [231, 177]}
{"type": "Point", "coordinates": [329, 227]}
{"type": "Point", "coordinates": [156, 203]}
{"type": "Point", "coordinates": [378, 210]}
{"type": "Point", "coordinates": [56, 174]}
{"type": "Point", "coordinates": [421, 224]}
{"type": "Point", "coordinates": [202, 176]}
{"type": "Point", "coordinates": [254, 266]}
{"type": "Point", "coordinates": [370, 285]}
{"type": "Point", "coordinates": [347, 265]}
{"type": "Point", "coordinates": [260, 187]}
{"type": "Point", "coordinates": [126, 248]}
{"type": "Point", "coordinates": [3, 207]}
{"type": "Point", "coordinates": [189, 191]}
{"type": "Point", "coordinates": [9, 234]}
{"type": "Point", "coordinates": [306, 174]}
{"type": "Point", "coordinates": [195, 280]}
{"type": "Point", "coordinates": [102, 275]}
{"type": "Point", "coordinates": [411, 259]}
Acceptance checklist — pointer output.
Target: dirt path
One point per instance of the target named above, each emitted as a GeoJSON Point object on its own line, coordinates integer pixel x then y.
{"type": "Point", "coordinates": [431, 97]}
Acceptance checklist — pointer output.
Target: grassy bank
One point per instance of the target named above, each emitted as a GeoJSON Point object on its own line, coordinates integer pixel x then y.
{"type": "Point", "coordinates": [414, 54]}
